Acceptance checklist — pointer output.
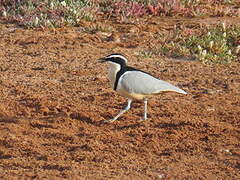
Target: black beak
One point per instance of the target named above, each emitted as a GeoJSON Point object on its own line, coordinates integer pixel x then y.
{"type": "Point", "coordinates": [102, 60]}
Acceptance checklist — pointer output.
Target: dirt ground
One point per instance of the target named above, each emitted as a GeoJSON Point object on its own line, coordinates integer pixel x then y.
{"type": "Point", "coordinates": [54, 97]}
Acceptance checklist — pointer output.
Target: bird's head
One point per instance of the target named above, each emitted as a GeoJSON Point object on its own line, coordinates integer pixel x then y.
{"type": "Point", "coordinates": [115, 59]}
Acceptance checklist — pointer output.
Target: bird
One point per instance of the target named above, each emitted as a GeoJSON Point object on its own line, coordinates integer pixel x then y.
{"type": "Point", "coordinates": [134, 84]}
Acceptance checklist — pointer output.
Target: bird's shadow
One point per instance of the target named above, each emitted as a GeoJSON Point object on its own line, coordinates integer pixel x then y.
{"type": "Point", "coordinates": [129, 126]}
{"type": "Point", "coordinates": [115, 125]}
{"type": "Point", "coordinates": [8, 120]}
{"type": "Point", "coordinates": [86, 119]}
{"type": "Point", "coordinates": [80, 117]}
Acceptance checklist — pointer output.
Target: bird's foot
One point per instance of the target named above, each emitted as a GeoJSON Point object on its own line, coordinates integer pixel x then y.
{"type": "Point", "coordinates": [143, 119]}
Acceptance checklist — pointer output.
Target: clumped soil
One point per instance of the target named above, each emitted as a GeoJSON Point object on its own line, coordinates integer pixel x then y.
{"type": "Point", "coordinates": [54, 97]}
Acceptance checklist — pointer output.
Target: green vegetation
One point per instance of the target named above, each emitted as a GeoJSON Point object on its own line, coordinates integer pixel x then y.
{"type": "Point", "coordinates": [209, 45]}
{"type": "Point", "coordinates": [33, 13]}
{"type": "Point", "coordinates": [218, 44]}
{"type": "Point", "coordinates": [42, 13]}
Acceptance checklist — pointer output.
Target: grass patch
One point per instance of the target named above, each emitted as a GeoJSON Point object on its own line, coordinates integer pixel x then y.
{"type": "Point", "coordinates": [56, 13]}
{"type": "Point", "coordinates": [185, 8]}
{"type": "Point", "coordinates": [219, 44]}
{"type": "Point", "coordinates": [32, 13]}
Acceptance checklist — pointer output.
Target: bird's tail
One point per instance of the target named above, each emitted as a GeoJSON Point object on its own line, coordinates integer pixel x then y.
{"type": "Point", "coordinates": [178, 90]}
{"type": "Point", "coordinates": [165, 86]}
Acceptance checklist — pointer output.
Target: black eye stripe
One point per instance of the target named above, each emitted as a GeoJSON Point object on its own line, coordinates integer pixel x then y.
{"type": "Point", "coordinates": [117, 60]}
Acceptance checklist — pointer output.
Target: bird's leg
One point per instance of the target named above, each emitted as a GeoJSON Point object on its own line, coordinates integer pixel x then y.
{"type": "Point", "coordinates": [145, 111]}
{"type": "Point", "coordinates": [122, 111]}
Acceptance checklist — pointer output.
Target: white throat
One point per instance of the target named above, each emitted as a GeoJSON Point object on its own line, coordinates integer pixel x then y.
{"type": "Point", "coordinates": [113, 69]}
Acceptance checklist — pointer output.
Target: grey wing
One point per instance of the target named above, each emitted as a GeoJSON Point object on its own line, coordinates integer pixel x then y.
{"type": "Point", "coordinates": [142, 83]}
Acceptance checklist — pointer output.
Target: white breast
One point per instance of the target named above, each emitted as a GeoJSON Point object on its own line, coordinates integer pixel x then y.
{"type": "Point", "coordinates": [112, 72]}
